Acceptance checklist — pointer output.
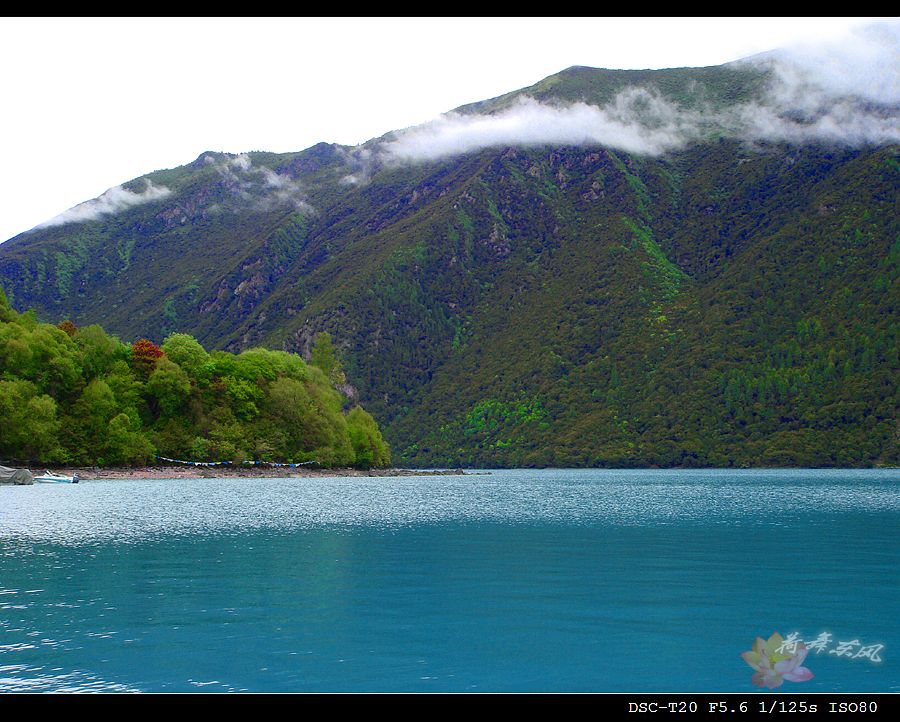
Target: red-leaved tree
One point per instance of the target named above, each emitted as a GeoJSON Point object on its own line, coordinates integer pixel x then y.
{"type": "Point", "coordinates": [70, 328]}
{"type": "Point", "coordinates": [144, 355]}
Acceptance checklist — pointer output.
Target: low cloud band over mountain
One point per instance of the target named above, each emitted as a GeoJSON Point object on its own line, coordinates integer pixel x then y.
{"type": "Point", "coordinates": [844, 93]}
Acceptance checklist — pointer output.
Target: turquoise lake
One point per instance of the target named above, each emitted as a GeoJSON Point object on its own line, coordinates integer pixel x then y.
{"type": "Point", "coordinates": [507, 581]}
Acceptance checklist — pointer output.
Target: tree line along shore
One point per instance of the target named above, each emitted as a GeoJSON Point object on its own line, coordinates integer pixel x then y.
{"type": "Point", "coordinates": [81, 398]}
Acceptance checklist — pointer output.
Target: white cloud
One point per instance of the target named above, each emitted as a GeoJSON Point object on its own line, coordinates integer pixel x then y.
{"type": "Point", "coordinates": [112, 201]}
{"type": "Point", "coordinates": [845, 92]}
{"type": "Point", "coordinates": [260, 186]}
{"type": "Point", "coordinates": [865, 64]}
{"type": "Point", "coordinates": [352, 101]}
{"type": "Point", "coordinates": [232, 169]}
{"type": "Point", "coordinates": [529, 122]}
{"type": "Point", "coordinates": [842, 123]}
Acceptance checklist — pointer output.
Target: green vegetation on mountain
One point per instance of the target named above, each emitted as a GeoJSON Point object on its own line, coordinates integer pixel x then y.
{"type": "Point", "coordinates": [79, 396]}
{"type": "Point", "coordinates": [715, 86]}
{"type": "Point", "coordinates": [726, 304]}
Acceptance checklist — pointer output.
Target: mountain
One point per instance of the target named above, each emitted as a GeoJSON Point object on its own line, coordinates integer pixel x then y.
{"type": "Point", "coordinates": [696, 266]}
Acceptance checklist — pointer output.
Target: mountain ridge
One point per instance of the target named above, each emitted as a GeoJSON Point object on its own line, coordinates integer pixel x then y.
{"type": "Point", "coordinates": [523, 303]}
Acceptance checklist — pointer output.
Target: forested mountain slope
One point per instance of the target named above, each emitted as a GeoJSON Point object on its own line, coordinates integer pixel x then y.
{"type": "Point", "coordinates": [691, 288]}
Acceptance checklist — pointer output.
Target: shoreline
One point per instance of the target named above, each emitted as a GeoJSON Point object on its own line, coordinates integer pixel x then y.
{"type": "Point", "coordinates": [249, 472]}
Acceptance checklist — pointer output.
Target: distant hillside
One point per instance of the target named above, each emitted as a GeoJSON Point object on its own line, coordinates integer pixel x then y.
{"type": "Point", "coordinates": [716, 284]}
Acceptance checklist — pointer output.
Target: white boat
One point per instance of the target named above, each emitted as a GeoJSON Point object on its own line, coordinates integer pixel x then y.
{"type": "Point", "coordinates": [48, 477]}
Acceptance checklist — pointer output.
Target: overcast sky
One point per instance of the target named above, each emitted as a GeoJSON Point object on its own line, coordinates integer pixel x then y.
{"type": "Point", "coordinates": [89, 103]}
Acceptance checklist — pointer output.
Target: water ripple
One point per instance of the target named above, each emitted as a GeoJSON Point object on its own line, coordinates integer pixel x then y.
{"type": "Point", "coordinates": [516, 580]}
{"type": "Point", "coordinates": [126, 511]}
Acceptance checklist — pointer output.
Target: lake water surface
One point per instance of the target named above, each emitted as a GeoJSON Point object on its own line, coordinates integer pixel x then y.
{"type": "Point", "coordinates": [512, 581]}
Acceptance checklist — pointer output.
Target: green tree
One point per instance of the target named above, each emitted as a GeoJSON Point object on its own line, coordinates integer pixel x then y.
{"type": "Point", "coordinates": [99, 351]}
{"type": "Point", "coordinates": [369, 448]}
{"type": "Point", "coordinates": [87, 425]}
{"type": "Point", "coordinates": [187, 352]}
{"type": "Point", "coordinates": [7, 313]}
{"type": "Point", "coordinates": [169, 386]}
{"type": "Point", "coordinates": [30, 427]}
{"type": "Point", "coordinates": [80, 395]}
{"type": "Point", "coordinates": [243, 396]}
{"type": "Point", "coordinates": [324, 356]}
{"type": "Point", "coordinates": [125, 443]}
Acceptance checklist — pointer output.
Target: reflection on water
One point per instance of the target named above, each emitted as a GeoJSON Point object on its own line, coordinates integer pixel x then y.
{"type": "Point", "coordinates": [552, 580]}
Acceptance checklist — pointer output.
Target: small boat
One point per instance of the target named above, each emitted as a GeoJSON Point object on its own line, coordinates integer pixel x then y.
{"type": "Point", "coordinates": [48, 477]}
